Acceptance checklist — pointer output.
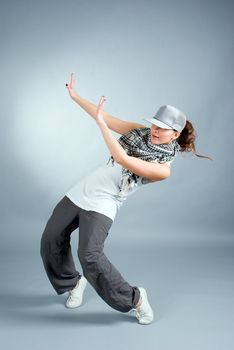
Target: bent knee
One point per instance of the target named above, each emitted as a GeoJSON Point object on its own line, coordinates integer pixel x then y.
{"type": "Point", "coordinates": [88, 257]}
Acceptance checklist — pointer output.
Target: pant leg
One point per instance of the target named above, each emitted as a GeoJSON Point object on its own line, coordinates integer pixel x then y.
{"type": "Point", "coordinates": [55, 247]}
{"type": "Point", "coordinates": [101, 274]}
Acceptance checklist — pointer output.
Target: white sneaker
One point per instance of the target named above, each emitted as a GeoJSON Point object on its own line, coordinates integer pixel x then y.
{"type": "Point", "coordinates": [144, 312]}
{"type": "Point", "coordinates": [76, 294]}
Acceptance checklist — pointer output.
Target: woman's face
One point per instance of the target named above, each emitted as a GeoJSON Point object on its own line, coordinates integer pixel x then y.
{"type": "Point", "coordinates": [159, 135]}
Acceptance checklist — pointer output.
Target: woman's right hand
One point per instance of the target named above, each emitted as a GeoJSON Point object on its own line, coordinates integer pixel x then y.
{"type": "Point", "coordinates": [70, 87]}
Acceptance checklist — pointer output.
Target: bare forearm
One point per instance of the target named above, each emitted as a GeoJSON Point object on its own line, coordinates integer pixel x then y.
{"type": "Point", "coordinates": [113, 145]}
{"type": "Point", "coordinates": [89, 107]}
{"type": "Point", "coordinates": [152, 171]}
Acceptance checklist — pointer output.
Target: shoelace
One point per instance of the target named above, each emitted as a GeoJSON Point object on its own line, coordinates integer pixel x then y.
{"type": "Point", "coordinates": [136, 312]}
{"type": "Point", "coordinates": [72, 293]}
{"type": "Point", "coordinates": [72, 297]}
{"type": "Point", "coordinates": [139, 313]}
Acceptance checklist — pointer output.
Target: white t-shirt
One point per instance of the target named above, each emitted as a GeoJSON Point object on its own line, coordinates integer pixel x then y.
{"type": "Point", "coordinates": [99, 191]}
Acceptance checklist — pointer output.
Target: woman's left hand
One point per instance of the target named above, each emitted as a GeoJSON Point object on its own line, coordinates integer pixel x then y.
{"type": "Point", "coordinates": [99, 116]}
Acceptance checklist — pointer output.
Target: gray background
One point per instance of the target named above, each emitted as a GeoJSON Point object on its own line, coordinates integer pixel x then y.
{"type": "Point", "coordinates": [174, 237]}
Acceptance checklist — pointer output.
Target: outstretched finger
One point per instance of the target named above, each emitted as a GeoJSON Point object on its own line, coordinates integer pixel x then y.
{"type": "Point", "coordinates": [99, 103]}
{"type": "Point", "coordinates": [72, 81]}
{"type": "Point", "coordinates": [102, 100]}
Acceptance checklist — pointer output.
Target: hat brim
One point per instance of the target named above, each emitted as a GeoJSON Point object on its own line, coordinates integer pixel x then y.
{"type": "Point", "coordinates": [157, 122]}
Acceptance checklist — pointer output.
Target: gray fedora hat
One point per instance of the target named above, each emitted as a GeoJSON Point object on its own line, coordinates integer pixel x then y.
{"type": "Point", "coordinates": [168, 117]}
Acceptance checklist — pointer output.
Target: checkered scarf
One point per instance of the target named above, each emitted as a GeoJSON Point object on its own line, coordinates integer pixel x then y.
{"type": "Point", "coordinates": [137, 143]}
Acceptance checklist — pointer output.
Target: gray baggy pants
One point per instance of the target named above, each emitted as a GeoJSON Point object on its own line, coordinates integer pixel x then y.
{"type": "Point", "coordinates": [57, 257]}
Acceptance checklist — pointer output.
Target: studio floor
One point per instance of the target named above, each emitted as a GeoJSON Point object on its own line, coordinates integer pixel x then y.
{"type": "Point", "coordinates": [190, 287]}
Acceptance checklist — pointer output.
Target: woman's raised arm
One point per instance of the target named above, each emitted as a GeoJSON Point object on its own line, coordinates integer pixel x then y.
{"type": "Point", "coordinates": [113, 123]}
{"type": "Point", "coordinates": [151, 170]}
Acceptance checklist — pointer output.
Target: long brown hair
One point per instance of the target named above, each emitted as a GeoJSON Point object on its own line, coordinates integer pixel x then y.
{"type": "Point", "coordinates": [187, 139]}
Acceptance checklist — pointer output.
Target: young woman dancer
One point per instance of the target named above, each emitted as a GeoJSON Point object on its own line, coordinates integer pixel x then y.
{"type": "Point", "coordinates": [140, 156]}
